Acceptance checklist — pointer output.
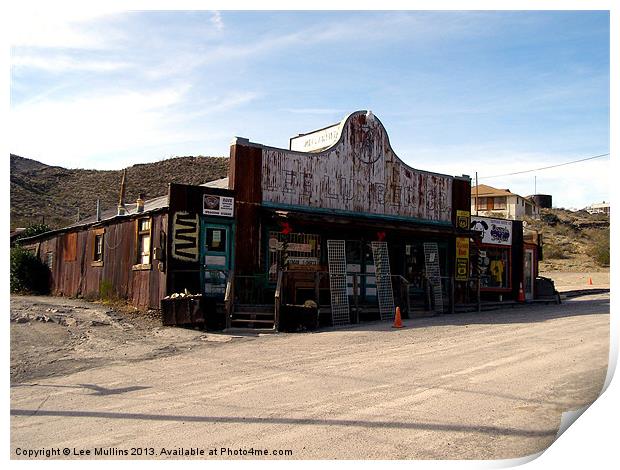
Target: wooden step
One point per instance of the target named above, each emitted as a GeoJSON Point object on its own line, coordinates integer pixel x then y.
{"type": "Point", "coordinates": [250, 320]}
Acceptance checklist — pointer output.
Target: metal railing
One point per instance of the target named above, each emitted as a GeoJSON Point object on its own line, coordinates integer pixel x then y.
{"type": "Point", "coordinates": [229, 296]}
{"type": "Point", "coordinates": [277, 300]}
{"type": "Point", "coordinates": [253, 289]}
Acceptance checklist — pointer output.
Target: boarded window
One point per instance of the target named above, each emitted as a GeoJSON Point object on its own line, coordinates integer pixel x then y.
{"type": "Point", "coordinates": [69, 247]}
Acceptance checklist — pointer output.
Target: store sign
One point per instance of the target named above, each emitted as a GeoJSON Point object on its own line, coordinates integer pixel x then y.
{"type": "Point", "coordinates": [494, 231]}
{"type": "Point", "coordinates": [318, 140]}
{"type": "Point", "coordinates": [462, 259]}
{"type": "Point", "coordinates": [185, 236]}
{"type": "Point", "coordinates": [360, 175]}
{"type": "Point", "coordinates": [462, 220]}
{"type": "Point", "coordinates": [218, 205]}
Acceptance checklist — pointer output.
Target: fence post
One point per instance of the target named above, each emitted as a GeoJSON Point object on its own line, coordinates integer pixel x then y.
{"type": "Point", "coordinates": [355, 295]}
{"type": "Point", "coordinates": [452, 281]}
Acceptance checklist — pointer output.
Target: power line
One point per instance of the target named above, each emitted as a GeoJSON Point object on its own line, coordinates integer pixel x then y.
{"type": "Point", "coordinates": [547, 167]}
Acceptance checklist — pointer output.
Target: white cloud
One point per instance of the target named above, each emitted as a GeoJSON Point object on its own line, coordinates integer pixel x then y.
{"type": "Point", "coordinates": [216, 20]}
{"type": "Point", "coordinates": [65, 132]}
{"type": "Point", "coordinates": [57, 28]}
{"type": "Point", "coordinates": [62, 63]}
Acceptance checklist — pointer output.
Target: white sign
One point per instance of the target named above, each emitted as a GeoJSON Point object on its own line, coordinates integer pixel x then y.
{"type": "Point", "coordinates": [494, 231]}
{"type": "Point", "coordinates": [218, 205]}
{"type": "Point", "coordinates": [317, 140]}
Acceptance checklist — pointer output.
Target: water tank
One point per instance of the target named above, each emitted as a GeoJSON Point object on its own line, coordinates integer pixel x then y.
{"type": "Point", "coordinates": [542, 200]}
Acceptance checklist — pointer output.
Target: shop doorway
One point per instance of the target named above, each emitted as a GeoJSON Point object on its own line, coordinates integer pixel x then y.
{"type": "Point", "coordinates": [216, 255]}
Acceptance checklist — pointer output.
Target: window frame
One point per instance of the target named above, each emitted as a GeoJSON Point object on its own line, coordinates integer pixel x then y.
{"type": "Point", "coordinates": [94, 260]}
{"type": "Point", "coordinates": [138, 264]}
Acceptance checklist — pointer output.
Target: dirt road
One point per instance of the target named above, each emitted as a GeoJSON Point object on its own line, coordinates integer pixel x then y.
{"type": "Point", "coordinates": [466, 386]}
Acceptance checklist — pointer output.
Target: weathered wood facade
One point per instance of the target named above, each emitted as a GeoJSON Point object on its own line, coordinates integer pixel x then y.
{"type": "Point", "coordinates": [75, 273]}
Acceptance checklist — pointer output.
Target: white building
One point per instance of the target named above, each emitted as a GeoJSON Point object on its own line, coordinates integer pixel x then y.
{"type": "Point", "coordinates": [493, 202]}
{"type": "Point", "coordinates": [599, 208]}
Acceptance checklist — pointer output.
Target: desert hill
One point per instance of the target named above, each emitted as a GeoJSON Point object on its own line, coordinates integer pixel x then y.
{"type": "Point", "coordinates": [52, 194]}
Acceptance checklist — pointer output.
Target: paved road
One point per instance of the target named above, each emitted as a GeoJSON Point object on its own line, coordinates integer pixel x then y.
{"type": "Point", "coordinates": [466, 386]}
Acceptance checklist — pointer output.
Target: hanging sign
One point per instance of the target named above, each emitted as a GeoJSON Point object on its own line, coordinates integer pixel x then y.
{"type": "Point", "coordinates": [494, 231]}
{"type": "Point", "coordinates": [218, 205]}
{"type": "Point", "coordinates": [462, 259]}
{"type": "Point", "coordinates": [462, 220]}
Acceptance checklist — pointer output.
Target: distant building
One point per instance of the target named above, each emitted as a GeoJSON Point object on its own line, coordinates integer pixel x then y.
{"type": "Point", "coordinates": [493, 202]}
{"type": "Point", "coordinates": [600, 208]}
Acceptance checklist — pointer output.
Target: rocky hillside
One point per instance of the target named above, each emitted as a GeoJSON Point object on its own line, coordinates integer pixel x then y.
{"type": "Point", "coordinates": [573, 241]}
{"type": "Point", "coordinates": [54, 194]}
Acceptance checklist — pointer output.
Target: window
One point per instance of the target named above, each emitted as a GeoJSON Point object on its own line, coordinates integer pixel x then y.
{"type": "Point", "coordinates": [49, 259]}
{"type": "Point", "coordinates": [216, 239]}
{"type": "Point", "coordinates": [499, 202]}
{"type": "Point", "coordinates": [143, 243]}
{"type": "Point", "coordinates": [482, 203]}
{"type": "Point", "coordinates": [98, 244]}
{"type": "Point", "coordinates": [296, 251]}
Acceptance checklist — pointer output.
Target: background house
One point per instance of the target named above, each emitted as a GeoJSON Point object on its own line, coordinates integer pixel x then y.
{"type": "Point", "coordinates": [599, 208]}
{"type": "Point", "coordinates": [494, 202]}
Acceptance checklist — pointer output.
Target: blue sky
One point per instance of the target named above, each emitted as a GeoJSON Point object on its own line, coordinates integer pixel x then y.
{"type": "Point", "coordinates": [458, 92]}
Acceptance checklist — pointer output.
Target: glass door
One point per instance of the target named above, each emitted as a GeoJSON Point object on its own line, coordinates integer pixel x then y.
{"type": "Point", "coordinates": [215, 250]}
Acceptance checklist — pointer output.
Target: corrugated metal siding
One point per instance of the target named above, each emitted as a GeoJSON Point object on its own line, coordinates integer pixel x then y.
{"type": "Point", "coordinates": [144, 288]}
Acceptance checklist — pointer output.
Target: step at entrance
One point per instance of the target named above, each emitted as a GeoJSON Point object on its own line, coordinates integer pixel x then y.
{"type": "Point", "coordinates": [253, 316]}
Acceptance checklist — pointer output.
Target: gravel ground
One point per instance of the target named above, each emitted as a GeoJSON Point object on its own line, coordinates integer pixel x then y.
{"type": "Point", "coordinates": [566, 281]}
{"type": "Point", "coordinates": [467, 386]}
{"type": "Point", "coordinates": [53, 336]}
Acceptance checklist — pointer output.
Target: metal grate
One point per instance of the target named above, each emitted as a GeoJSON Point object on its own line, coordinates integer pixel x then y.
{"type": "Point", "coordinates": [431, 261]}
{"type": "Point", "coordinates": [338, 282]}
{"type": "Point", "coordinates": [384, 280]}
{"type": "Point", "coordinates": [292, 249]}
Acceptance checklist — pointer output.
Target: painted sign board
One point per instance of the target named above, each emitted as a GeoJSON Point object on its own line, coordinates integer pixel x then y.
{"type": "Point", "coordinates": [494, 231]}
{"type": "Point", "coordinates": [462, 219]}
{"type": "Point", "coordinates": [185, 236]}
{"type": "Point", "coordinates": [462, 259]}
{"type": "Point", "coordinates": [317, 140]}
{"type": "Point", "coordinates": [218, 205]}
{"type": "Point", "coordinates": [361, 174]}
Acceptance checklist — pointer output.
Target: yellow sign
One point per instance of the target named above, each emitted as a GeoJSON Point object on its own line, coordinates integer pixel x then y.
{"type": "Point", "coordinates": [462, 219]}
{"type": "Point", "coordinates": [462, 259]}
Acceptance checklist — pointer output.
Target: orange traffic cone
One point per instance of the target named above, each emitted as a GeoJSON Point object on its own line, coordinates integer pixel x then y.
{"type": "Point", "coordinates": [398, 322]}
{"type": "Point", "coordinates": [521, 296]}
{"type": "Point", "coordinates": [590, 281]}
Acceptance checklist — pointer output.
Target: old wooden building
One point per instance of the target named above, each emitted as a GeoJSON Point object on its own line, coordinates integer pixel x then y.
{"type": "Point", "coordinates": [333, 230]}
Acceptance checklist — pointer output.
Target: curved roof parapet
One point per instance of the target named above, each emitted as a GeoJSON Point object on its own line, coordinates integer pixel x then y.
{"type": "Point", "coordinates": [351, 167]}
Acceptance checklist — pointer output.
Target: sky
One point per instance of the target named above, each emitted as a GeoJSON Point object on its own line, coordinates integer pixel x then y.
{"type": "Point", "coordinates": [458, 92]}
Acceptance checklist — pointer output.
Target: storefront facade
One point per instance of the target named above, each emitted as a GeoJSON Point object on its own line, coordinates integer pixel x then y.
{"type": "Point", "coordinates": [348, 187]}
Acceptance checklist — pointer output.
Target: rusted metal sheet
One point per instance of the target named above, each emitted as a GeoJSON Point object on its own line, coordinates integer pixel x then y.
{"type": "Point", "coordinates": [359, 174]}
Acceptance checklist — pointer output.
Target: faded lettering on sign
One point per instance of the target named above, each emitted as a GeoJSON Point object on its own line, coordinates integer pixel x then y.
{"type": "Point", "coordinates": [361, 174]}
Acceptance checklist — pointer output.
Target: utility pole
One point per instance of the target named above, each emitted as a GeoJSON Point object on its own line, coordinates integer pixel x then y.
{"type": "Point", "coordinates": [477, 192]}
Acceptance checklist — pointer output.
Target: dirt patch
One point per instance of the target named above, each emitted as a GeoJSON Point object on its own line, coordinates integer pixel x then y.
{"type": "Point", "coordinates": [53, 336]}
